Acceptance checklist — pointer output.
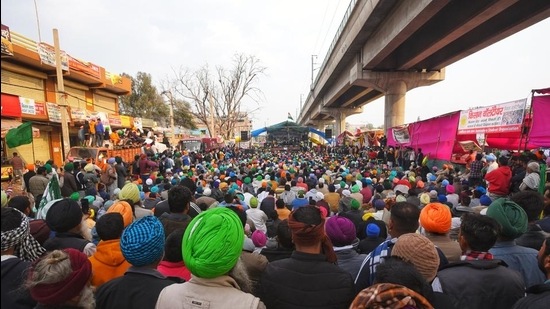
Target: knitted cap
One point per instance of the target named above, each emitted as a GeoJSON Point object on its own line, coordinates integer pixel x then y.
{"type": "Point", "coordinates": [340, 230]}
{"type": "Point", "coordinates": [420, 251]}
{"type": "Point", "coordinates": [142, 242]}
{"type": "Point", "coordinates": [436, 218]}
{"type": "Point", "coordinates": [511, 217]}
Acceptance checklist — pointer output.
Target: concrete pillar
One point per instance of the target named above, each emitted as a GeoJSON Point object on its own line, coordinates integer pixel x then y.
{"type": "Point", "coordinates": [394, 112]}
{"type": "Point", "coordinates": [340, 121]}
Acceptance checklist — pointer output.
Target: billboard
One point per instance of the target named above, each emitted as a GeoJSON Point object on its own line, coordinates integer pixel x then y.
{"type": "Point", "coordinates": [505, 117]}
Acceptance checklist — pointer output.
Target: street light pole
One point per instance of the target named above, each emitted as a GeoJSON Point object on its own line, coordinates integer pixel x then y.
{"type": "Point", "coordinates": [171, 106]}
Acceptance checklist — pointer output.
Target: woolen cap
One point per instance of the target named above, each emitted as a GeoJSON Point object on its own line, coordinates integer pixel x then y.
{"type": "Point", "coordinates": [420, 251]}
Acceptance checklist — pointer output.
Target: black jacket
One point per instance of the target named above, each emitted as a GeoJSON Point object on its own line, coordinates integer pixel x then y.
{"type": "Point", "coordinates": [306, 281]}
{"type": "Point", "coordinates": [482, 284]}
{"type": "Point", "coordinates": [139, 288]}
{"type": "Point", "coordinates": [14, 273]}
{"type": "Point", "coordinates": [538, 297]}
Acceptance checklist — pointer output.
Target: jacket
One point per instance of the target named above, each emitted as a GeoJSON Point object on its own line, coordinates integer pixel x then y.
{"type": "Point", "coordinates": [107, 262]}
{"type": "Point", "coordinates": [306, 281]}
{"type": "Point", "coordinates": [482, 284]}
{"type": "Point", "coordinates": [13, 275]}
{"type": "Point", "coordinates": [69, 185]}
{"type": "Point", "coordinates": [523, 260]}
{"type": "Point", "coordinates": [219, 292]}
{"type": "Point", "coordinates": [499, 180]}
{"type": "Point", "coordinates": [538, 297]}
{"type": "Point", "coordinates": [138, 288]}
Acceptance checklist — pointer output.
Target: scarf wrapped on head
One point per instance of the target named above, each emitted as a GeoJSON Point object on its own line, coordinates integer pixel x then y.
{"type": "Point", "coordinates": [390, 296]}
{"type": "Point", "coordinates": [26, 247]}
{"type": "Point", "coordinates": [309, 234]}
{"type": "Point", "coordinates": [57, 293]}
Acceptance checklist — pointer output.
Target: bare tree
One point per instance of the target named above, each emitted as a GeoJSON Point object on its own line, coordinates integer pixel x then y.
{"type": "Point", "coordinates": [217, 99]}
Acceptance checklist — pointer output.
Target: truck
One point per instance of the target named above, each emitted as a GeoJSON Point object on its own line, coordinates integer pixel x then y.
{"type": "Point", "coordinates": [78, 153]}
{"type": "Point", "coordinates": [198, 144]}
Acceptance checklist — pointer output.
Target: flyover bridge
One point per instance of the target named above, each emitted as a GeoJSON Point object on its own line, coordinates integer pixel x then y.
{"type": "Point", "coordinates": [387, 47]}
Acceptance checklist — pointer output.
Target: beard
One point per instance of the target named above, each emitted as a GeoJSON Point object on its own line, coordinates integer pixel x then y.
{"type": "Point", "coordinates": [240, 275]}
{"type": "Point", "coordinates": [87, 300]}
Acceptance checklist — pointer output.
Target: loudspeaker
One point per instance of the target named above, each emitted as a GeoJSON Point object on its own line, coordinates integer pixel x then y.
{"type": "Point", "coordinates": [328, 133]}
{"type": "Point", "coordinates": [244, 135]}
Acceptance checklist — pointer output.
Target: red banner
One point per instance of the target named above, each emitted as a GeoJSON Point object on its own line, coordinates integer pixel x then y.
{"type": "Point", "coordinates": [11, 106]}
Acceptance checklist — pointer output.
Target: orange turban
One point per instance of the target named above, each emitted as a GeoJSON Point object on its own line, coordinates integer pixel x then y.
{"type": "Point", "coordinates": [436, 218]}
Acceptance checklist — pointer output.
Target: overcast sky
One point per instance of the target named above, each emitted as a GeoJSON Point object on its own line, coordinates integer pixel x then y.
{"type": "Point", "coordinates": [158, 37]}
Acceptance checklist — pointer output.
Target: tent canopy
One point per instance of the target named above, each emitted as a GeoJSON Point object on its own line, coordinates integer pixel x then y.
{"type": "Point", "coordinates": [286, 126]}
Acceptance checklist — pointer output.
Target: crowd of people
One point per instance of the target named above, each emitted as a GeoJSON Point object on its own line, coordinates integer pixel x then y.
{"type": "Point", "coordinates": [338, 227]}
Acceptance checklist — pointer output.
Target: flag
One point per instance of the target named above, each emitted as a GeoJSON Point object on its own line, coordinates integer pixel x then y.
{"type": "Point", "coordinates": [290, 117]}
{"type": "Point", "coordinates": [52, 193]}
{"type": "Point", "coordinates": [22, 135]}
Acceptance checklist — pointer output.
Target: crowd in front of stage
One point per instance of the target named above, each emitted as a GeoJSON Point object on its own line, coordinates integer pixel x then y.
{"type": "Point", "coordinates": [336, 227]}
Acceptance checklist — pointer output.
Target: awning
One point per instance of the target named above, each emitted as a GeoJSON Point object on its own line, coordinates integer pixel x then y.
{"type": "Point", "coordinates": [8, 124]}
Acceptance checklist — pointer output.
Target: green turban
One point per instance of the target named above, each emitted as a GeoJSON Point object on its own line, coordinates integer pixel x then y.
{"type": "Point", "coordinates": [213, 242]}
{"type": "Point", "coordinates": [48, 168]}
{"type": "Point", "coordinates": [69, 167]}
{"type": "Point", "coordinates": [355, 204]}
{"type": "Point", "coordinates": [511, 217]}
{"type": "Point", "coordinates": [259, 178]}
{"type": "Point", "coordinates": [342, 184]}
{"type": "Point", "coordinates": [247, 180]}
{"type": "Point", "coordinates": [355, 189]}
{"type": "Point", "coordinates": [75, 196]}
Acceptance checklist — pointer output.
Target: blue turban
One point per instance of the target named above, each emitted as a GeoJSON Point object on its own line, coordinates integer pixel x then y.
{"type": "Point", "coordinates": [142, 242]}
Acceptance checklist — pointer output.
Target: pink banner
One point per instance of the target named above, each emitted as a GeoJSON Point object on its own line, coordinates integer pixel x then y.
{"type": "Point", "coordinates": [540, 130]}
{"type": "Point", "coordinates": [436, 136]}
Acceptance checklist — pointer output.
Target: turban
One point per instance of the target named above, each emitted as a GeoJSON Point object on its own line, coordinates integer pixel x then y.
{"type": "Point", "coordinates": [355, 204]}
{"type": "Point", "coordinates": [253, 202]}
{"type": "Point", "coordinates": [436, 218]}
{"type": "Point", "coordinates": [445, 182]}
{"type": "Point", "coordinates": [372, 230]}
{"type": "Point", "coordinates": [420, 184]}
{"type": "Point", "coordinates": [30, 167]}
{"type": "Point", "coordinates": [247, 180]}
{"type": "Point", "coordinates": [534, 166]}
{"type": "Point", "coordinates": [442, 198]}
{"type": "Point", "coordinates": [64, 215]}
{"type": "Point", "coordinates": [155, 189]}
{"type": "Point", "coordinates": [149, 182]}
{"type": "Point", "coordinates": [223, 185]}
{"type": "Point", "coordinates": [89, 167]}
{"type": "Point", "coordinates": [130, 192]}
{"type": "Point", "coordinates": [125, 210]}
{"type": "Point", "coordinates": [48, 168]}
{"type": "Point", "coordinates": [355, 189]}
{"type": "Point", "coordinates": [485, 200]}
{"type": "Point", "coordinates": [57, 293]}
{"type": "Point", "coordinates": [511, 217]}
{"type": "Point", "coordinates": [450, 189]}
{"type": "Point", "coordinates": [26, 246]}
{"type": "Point", "coordinates": [346, 193]}
{"type": "Point", "coordinates": [69, 167]}
{"type": "Point", "coordinates": [424, 198]}
{"type": "Point", "coordinates": [420, 251]}
{"type": "Point", "coordinates": [389, 295]}
{"type": "Point", "coordinates": [309, 234]}
{"type": "Point", "coordinates": [481, 189]}
{"type": "Point", "coordinates": [142, 242]}
{"type": "Point", "coordinates": [75, 196]}
{"type": "Point", "coordinates": [379, 204]}
{"type": "Point", "coordinates": [111, 160]}
{"type": "Point", "coordinates": [258, 238]}
{"type": "Point", "coordinates": [340, 230]}
{"type": "Point", "coordinates": [213, 242]}
{"type": "Point", "coordinates": [207, 192]}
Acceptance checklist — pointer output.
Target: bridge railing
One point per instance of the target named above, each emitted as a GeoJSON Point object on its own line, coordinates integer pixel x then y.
{"type": "Point", "coordinates": [347, 15]}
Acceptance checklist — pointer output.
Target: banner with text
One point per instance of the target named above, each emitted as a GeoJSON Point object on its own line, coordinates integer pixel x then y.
{"type": "Point", "coordinates": [505, 117]}
{"type": "Point", "coordinates": [47, 56]}
{"type": "Point", "coordinates": [401, 134]}
{"type": "Point", "coordinates": [7, 46]}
